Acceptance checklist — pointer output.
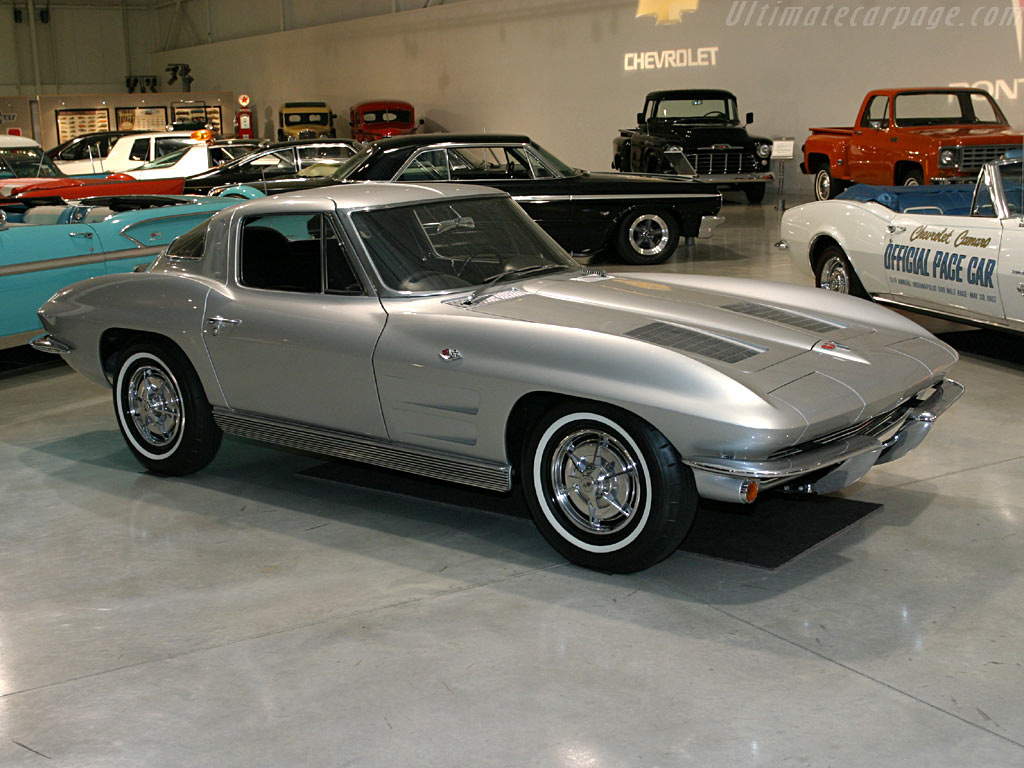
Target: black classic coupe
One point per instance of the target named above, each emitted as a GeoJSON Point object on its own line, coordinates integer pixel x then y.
{"type": "Point", "coordinates": [638, 217]}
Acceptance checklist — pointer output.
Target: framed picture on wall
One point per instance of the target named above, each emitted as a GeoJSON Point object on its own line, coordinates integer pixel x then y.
{"type": "Point", "coordinates": [141, 118]}
{"type": "Point", "coordinates": [75, 122]}
{"type": "Point", "coordinates": [198, 114]}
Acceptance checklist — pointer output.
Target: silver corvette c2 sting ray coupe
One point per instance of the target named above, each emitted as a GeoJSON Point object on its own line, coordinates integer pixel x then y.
{"type": "Point", "coordinates": [439, 331]}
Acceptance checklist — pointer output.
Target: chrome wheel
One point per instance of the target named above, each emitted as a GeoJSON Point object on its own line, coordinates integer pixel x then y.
{"type": "Point", "coordinates": [154, 406]}
{"type": "Point", "coordinates": [596, 481]}
{"type": "Point", "coordinates": [835, 274]}
{"type": "Point", "coordinates": [648, 234]}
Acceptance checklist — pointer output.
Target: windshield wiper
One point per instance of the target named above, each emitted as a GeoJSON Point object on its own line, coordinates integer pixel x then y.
{"type": "Point", "coordinates": [534, 269]}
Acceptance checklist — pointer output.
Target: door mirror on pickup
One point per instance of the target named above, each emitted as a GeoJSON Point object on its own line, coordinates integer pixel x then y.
{"type": "Point", "coordinates": [750, 117]}
{"type": "Point", "coordinates": [876, 124]}
{"type": "Point", "coordinates": [640, 118]}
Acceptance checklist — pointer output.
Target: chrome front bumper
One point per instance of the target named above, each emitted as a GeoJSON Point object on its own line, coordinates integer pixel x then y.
{"type": "Point", "coordinates": [50, 344]}
{"type": "Point", "coordinates": [849, 459]}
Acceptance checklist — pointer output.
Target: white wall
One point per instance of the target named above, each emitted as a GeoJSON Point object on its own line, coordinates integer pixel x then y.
{"type": "Point", "coordinates": [555, 68]}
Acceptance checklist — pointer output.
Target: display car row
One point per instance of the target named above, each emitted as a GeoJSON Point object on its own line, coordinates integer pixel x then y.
{"type": "Point", "coordinates": [468, 346]}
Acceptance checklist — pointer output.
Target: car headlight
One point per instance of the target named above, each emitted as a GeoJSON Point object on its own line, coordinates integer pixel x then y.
{"type": "Point", "coordinates": [947, 158]}
{"type": "Point", "coordinates": [764, 150]}
{"type": "Point", "coordinates": [673, 148]}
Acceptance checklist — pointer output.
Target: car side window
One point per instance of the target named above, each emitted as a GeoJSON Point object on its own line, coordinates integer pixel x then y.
{"type": "Point", "coordinates": [540, 171]}
{"type": "Point", "coordinates": [165, 146]}
{"type": "Point", "coordinates": [431, 165]}
{"type": "Point", "coordinates": [140, 150]}
{"type": "Point", "coordinates": [295, 252]}
{"type": "Point", "coordinates": [317, 152]}
{"type": "Point", "coordinates": [877, 113]}
{"type": "Point", "coordinates": [283, 159]}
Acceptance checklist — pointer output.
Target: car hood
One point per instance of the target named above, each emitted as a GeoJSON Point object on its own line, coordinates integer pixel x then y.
{"type": "Point", "coordinates": [805, 347]}
{"type": "Point", "coordinates": [967, 134]}
{"type": "Point", "coordinates": [695, 135]}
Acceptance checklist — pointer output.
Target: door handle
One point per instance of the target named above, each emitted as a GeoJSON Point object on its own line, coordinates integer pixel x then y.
{"type": "Point", "coordinates": [87, 235]}
{"type": "Point", "coordinates": [892, 229]}
{"type": "Point", "coordinates": [219, 322]}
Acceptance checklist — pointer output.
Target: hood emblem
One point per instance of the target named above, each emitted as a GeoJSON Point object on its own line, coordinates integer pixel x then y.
{"type": "Point", "coordinates": [835, 349]}
{"type": "Point", "coordinates": [450, 353]}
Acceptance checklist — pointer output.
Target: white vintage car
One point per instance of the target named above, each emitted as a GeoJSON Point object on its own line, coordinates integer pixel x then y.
{"type": "Point", "coordinates": [951, 251]}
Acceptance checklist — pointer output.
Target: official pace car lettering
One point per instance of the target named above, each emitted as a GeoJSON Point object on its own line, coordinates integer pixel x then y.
{"type": "Point", "coordinates": [942, 265]}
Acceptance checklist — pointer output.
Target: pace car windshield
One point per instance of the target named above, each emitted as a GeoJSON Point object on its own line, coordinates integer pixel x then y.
{"type": "Point", "coordinates": [696, 110]}
{"type": "Point", "coordinates": [456, 244]}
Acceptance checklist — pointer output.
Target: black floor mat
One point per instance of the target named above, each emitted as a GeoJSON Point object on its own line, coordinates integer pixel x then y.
{"type": "Point", "coordinates": [22, 359]}
{"type": "Point", "coordinates": [767, 534]}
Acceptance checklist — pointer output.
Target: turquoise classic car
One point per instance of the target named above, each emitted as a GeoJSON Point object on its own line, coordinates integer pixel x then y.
{"type": "Point", "coordinates": [44, 248]}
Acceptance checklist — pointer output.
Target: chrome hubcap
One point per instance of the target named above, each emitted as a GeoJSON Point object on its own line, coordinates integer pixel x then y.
{"type": "Point", "coordinates": [154, 406]}
{"type": "Point", "coordinates": [596, 481]}
{"type": "Point", "coordinates": [834, 275]}
{"type": "Point", "coordinates": [824, 184]}
{"type": "Point", "coordinates": [648, 234]}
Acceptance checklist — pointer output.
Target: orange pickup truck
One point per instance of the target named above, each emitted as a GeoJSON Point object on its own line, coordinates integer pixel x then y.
{"type": "Point", "coordinates": [906, 136]}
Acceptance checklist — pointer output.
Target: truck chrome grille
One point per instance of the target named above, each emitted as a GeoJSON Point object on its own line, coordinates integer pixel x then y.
{"type": "Point", "coordinates": [707, 162]}
{"type": "Point", "coordinates": [786, 317]}
{"type": "Point", "coordinates": [976, 156]}
{"type": "Point", "coordinates": [695, 342]}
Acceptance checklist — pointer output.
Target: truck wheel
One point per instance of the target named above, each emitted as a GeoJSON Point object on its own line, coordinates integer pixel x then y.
{"type": "Point", "coordinates": [912, 178]}
{"type": "Point", "coordinates": [825, 187]}
{"type": "Point", "coordinates": [606, 489]}
{"type": "Point", "coordinates": [833, 272]}
{"type": "Point", "coordinates": [647, 236]}
{"type": "Point", "coordinates": [162, 410]}
{"type": "Point", "coordinates": [755, 193]}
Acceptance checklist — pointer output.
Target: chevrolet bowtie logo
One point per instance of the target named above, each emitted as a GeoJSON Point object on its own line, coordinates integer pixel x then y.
{"type": "Point", "coordinates": [666, 11]}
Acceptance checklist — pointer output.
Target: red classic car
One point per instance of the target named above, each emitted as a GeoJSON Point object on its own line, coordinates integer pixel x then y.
{"type": "Point", "coordinates": [372, 120]}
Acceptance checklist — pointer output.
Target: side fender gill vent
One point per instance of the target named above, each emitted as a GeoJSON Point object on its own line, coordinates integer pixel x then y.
{"type": "Point", "coordinates": [784, 316]}
{"type": "Point", "coordinates": [696, 342]}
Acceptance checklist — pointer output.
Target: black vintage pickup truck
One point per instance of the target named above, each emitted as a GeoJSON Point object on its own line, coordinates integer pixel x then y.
{"type": "Point", "coordinates": [696, 131]}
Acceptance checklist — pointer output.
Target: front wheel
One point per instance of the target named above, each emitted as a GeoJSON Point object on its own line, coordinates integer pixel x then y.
{"type": "Point", "coordinates": [913, 178]}
{"type": "Point", "coordinates": [647, 237]}
{"type": "Point", "coordinates": [833, 272]}
{"type": "Point", "coordinates": [162, 410]}
{"type": "Point", "coordinates": [606, 490]}
{"type": "Point", "coordinates": [755, 193]}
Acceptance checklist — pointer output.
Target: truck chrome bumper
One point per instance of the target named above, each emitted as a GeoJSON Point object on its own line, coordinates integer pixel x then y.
{"type": "Point", "coordinates": [737, 178]}
{"type": "Point", "coordinates": [849, 459]}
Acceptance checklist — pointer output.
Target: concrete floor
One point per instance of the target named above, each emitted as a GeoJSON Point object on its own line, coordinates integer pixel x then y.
{"type": "Point", "coordinates": [247, 616]}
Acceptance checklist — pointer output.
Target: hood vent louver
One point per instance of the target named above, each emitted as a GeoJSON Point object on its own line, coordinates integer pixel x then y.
{"type": "Point", "coordinates": [695, 342]}
{"type": "Point", "coordinates": [511, 293]}
{"type": "Point", "coordinates": [785, 317]}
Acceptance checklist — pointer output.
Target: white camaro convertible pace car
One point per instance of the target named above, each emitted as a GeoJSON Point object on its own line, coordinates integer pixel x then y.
{"type": "Point", "coordinates": [438, 330]}
{"type": "Point", "coordinates": [951, 251]}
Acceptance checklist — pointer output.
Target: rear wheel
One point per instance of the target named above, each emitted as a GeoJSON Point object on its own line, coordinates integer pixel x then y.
{"type": "Point", "coordinates": [833, 272]}
{"type": "Point", "coordinates": [162, 410]}
{"type": "Point", "coordinates": [647, 236]}
{"type": "Point", "coordinates": [825, 187]}
{"type": "Point", "coordinates": [607, 490]}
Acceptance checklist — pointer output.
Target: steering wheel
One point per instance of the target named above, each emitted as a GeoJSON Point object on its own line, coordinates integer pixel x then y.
{"type": "Point", "coordinates": [716, 113]}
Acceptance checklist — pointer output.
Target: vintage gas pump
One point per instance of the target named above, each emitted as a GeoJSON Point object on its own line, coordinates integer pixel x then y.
{"type": "Point", "coordinates": [243, 119]}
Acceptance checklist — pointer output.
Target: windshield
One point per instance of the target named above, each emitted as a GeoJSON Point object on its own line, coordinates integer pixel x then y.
{"type": "Point", "coordinates": [24, 162]}
{"type": "Point", "coordinates": [455, 244]}
{"type": "Point", "coordinates": [389, 115]}
{"type": "Point", "coordinates": [694, 110]}
{"type": "Point", "coordinates": [947, 108]}
{"type": "Point", "coordinates": [1013, 187]}
{"type": "Point", "coordinates": [166, 161]}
